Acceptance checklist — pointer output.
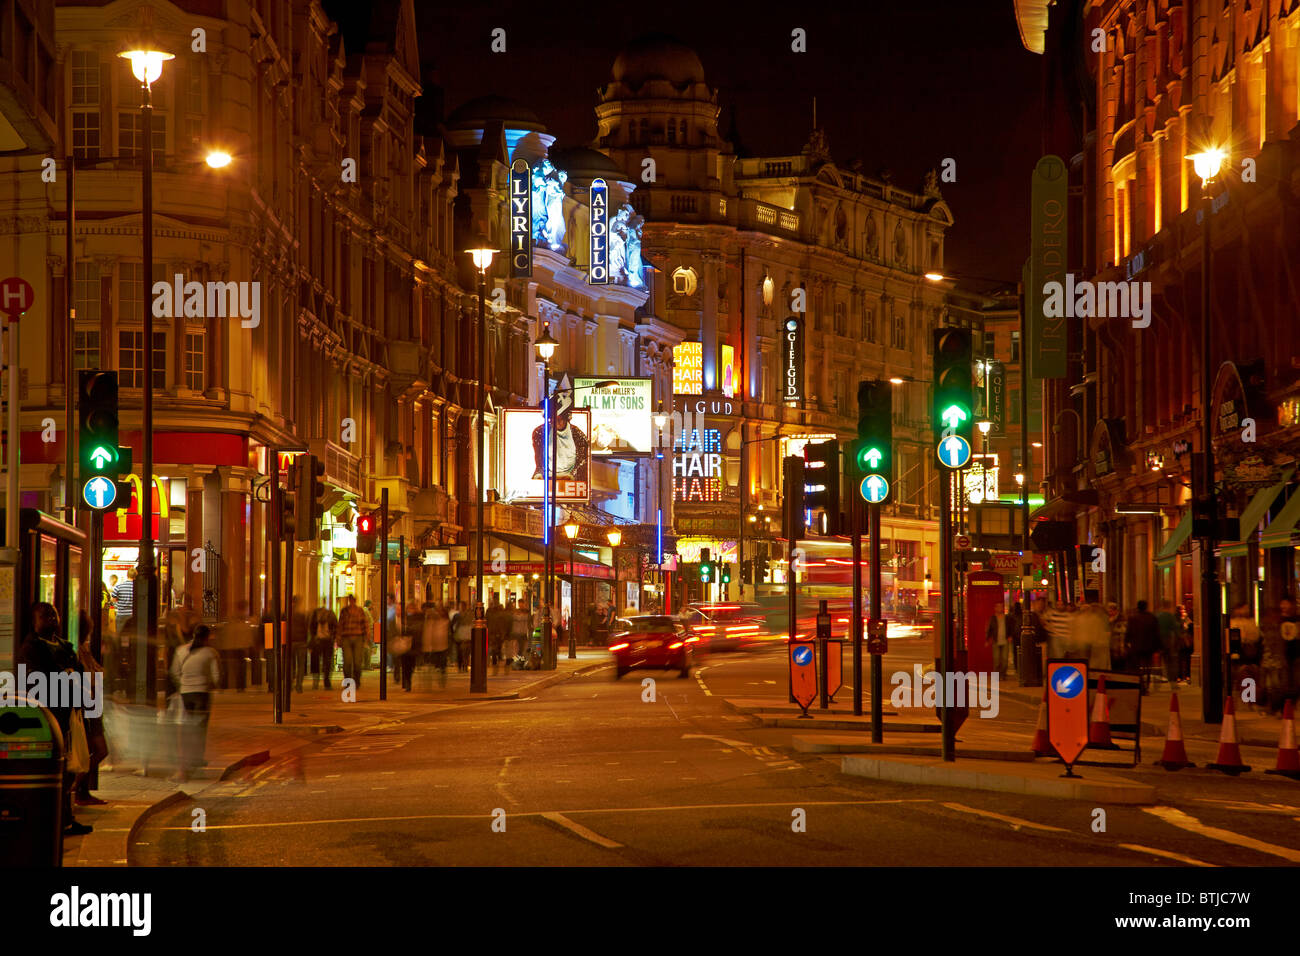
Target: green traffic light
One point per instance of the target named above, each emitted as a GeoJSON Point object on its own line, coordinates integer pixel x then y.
{"type": "Point", "coordinates": [870, 458]}
{"type": "Point", "coordinates": [954, 415]}
{"type": "Point", "coordinates": [102, 456]}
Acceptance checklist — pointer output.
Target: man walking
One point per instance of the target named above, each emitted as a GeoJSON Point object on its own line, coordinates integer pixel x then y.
{"type": "Point", "coordinates": [997, 634]}
{"type": "Point", "coordinates": [323, 627]}
{"type": "Point", "coordinates": [353, 634]}
{"type": "Point", "coordinates": [1143, 633]}
{"type": "Point", "coordinates": [498, 620]}
{"type": "Point", "coordinates": [1171, 640]}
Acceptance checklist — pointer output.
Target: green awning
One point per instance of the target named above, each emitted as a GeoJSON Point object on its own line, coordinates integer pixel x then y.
{"type": "Point", "coordinates": [1279, 531]}
{"type": "Point", "coordinates": [1253, 515]}
{"type": "Point", "coordinates": [1181, 534]}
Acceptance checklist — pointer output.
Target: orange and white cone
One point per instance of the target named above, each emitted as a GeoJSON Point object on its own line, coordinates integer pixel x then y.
{"type": "Point", "coordinates": [1229, 759]}
{"type": "Point", "coordinates": [1175, 755]}
{"type": "Point", "coordinates": [1042, 746]}
{"type": "Point", "coordinates": [1288, 757]}
{"type": "Point", "coordinates": [1099, 723]}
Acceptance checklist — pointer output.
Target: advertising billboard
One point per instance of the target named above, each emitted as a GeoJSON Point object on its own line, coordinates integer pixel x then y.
{"type": "Point", "coordinates": [621, 415]}
{"type": "Point", "coordinates": [688, 368]}
{"type": "Point", "coordinates": [729, 371]}
{"type": "Point", "coordinates": [524, 457]}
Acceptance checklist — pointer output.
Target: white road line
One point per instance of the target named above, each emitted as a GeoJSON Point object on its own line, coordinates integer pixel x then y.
{"type": "Point", "coordinates": [1248, 805]}
{"type": "Point", "coordinates": [1137, 848]}
{"type": "Point", "coordinates": [1186, 821]}
{"type": "Point", "coordinates": [722, 740]}
{"type": "Point", "coordinates": [579, 830]}
{"type": "Point", "coordinates": [1014, 821]}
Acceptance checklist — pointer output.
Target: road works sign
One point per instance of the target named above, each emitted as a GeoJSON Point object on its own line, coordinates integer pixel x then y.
{"type": "Point", "coordinates": [1067, 708]}
{"type": "Point", "coordinates": [803, 673]}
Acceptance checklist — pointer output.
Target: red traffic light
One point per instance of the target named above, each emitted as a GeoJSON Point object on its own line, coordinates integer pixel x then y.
{"type": "Point", "coordinates": [365, 524]}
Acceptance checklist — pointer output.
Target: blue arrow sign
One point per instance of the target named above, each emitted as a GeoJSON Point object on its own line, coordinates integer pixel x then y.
{"type": "Point", "coordinates": [802, 656]}
{"type": "Point", "coordinates": [99, 493]}
{"type": "Point", "coordinates": [1067, 682]}
{"type": "Point", "coordinates": [874, 489]}
{"type": "Point", "coordinates": [954, 451]}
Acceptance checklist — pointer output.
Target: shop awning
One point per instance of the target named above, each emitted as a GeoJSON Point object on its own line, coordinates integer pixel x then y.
{"type": "Point", "coordinates": [1251, 517]}
{"type": "Point", "coordinates": [1279, 531]}
{"type": "Point", "coordinates": [1176, 540]}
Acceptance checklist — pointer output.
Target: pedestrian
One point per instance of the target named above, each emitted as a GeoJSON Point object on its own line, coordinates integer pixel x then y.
{"type": "Point", "coordinates": [1245, 666]}
{"type": "Point", "coordinates": [124, 601]}
{"type": "Point", "coordinates": [1171, 640]}
{"type": "Point", "coordinates": [179, 626]}
{"type": "Point", "coordinates": [1143, 633]}
{"type": "Point", "coordinates": [354, 635]}
{"type": "Point", "coordinates": [437, 637]}
{"type": "Point", "coordinates": [1015, 620]}
{"type": "Point", "coordinates": [518, 643]}
{"type": "Point", "coordinates": [197, 671]}
{"type": "Point", "coordinates": [1188, 628]}
{"type": "Point", "coordinates": [998, 633]}
{"type": "Point", "coordinates": [1272, 656]}
{"type": "Point", "coordinates": [96, 741]}
{"type": "Point", "coordinates": [462, 632]}
{"type": "Point", "coordinates": [45, 652]}
{"type": "Point", "coordinates": [498, 620]}
{"type": "Point", "coordinates": [1094, 628]}
{"type": "Point", "coordinates": [1056, 619]}
{"type": "Point", "coordinates": [323, 627]}
{"type": "Point", "coordinates": [1118, 649]}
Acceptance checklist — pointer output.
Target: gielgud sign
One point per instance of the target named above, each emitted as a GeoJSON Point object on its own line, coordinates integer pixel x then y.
{"type": "Point", "coordinates": [792, 359]}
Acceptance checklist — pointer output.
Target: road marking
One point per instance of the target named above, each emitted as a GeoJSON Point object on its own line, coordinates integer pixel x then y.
{"type": "Point", "coordinates": [579, 830]}
{"type": "Point", "coordinates": [625, 779]}
{"type": "Point", "coordinates": [722, 740]}
{"type": "Point", "coordinates": [541, 813]}
{"type": "Point", "coordinates": [1015, 822]}
{"type": "Point", "coordinates": [1188, 822]}
{"type": "Point", "coordinates": [1165, 853]}
{"type": "Point", "coordinates": [1247, 805]}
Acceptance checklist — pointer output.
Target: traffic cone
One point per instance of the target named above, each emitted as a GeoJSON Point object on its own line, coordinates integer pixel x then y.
{"type": "Point", "coordinates": [1042, 747]}
{"type": "Point", "coordinates": [1288, 757]}
{"type": "Point", "coordinates": [1175, 755]}
{"type": "Point", "coordinates": [1229, 759]}
{"type": "Point", "coordinates": [1099, 723]}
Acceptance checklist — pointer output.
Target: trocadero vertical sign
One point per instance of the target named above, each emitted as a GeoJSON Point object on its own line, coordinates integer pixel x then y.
{"type": "Point", "coordinates": [598, 270]}
{"type": "Point", "coordinates": [521, 219]}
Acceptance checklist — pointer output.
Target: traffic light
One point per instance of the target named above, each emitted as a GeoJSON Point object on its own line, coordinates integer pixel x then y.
{"type": "Point", "coordinates": [953, 389]}
{"type": "Point", "coordinates": [367, 532]}
{"type": "Point", "coordinates": [760, 566]}
{"type": "Point", "coordinates": [311, 494]}
{"type": "Point", "coordinates": [289, 510]}
{"type": "Point", "coordinates": [726, 573]}
{"type": "Point", "coordinates": [821, 489]}
{"type": "Point", "coordinates": [792, 479]}
{"type": "Point", "coordinates": [872, 456]}
{"type": "Point", "coordinates": [747, 571]}
{"type": "Point", "coordinates": [100, 455]}
{"type": "Point", "coordinates": [707, 571]}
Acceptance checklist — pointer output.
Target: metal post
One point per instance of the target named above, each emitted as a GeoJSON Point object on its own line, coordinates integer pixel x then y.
{"type": "Point", "coordinates": [823, 648]}
{"type": "Point", "coordinates": [383, 604]}
{"type": "Point", "coordinates": [290, 547]}
{"type": "Point", "coordinates": [744, 500]}
{"type": "Point", "coordinates": [855, 625]}
{"type": "Point", "coordinates": [478, 642]}
{"type": "Point", "coordinates": [573, 600]}
{"type": "Point", "coordinates": [877, 613]}
{"type": "Point", "coordinates": [146, 579]}
{"type": "Point", "coordinates": [1028, 673]}
{"type": "Point", "coordinates": [276, 535]}
{"type": "Point", "coordinates": [946, 596]}
{"type": "Point", "coordinates": [548, 622]}
{"type": "Point", "coordinates": [1211, 628]}
{"type": "Point", "coordinates": [69, 494]}
{"type": "Point", "coordinates": [401, 598]}
{"type": "Point", "coordinates": [793, 499]}
{"type": "Point", "coordinates": [12, 502]}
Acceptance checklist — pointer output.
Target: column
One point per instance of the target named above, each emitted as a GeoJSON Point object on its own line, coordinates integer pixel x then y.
{"type": "Point", "coordinates": [193, 540]}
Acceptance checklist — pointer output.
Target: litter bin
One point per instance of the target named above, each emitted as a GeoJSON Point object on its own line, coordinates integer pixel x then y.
{"type": "Point", "coordinates": [31, 786]}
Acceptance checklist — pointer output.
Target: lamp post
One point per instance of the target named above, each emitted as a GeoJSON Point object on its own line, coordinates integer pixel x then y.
{"type": "Point", "coordinates": [661, 421]}
{"type": "Point", "coordinates": [482, 254]}
{"type": "Point", "coordinates": [545, 346]}
{"type": "Point", "coordinates": [614, 536]}
{"type": "Point", "coordinates": [146, 65]}
{"type": "Point", "coordinates": [1207, 165]}
{"type": "Point", "coordinates": [571, 532]}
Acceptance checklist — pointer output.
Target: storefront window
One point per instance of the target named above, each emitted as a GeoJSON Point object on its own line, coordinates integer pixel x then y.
{"type": "Point", "coordinates": [49, 555]}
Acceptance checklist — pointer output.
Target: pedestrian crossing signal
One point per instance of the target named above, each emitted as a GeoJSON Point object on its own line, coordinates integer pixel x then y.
{"type": "Point", "coordinates": [367, 530]}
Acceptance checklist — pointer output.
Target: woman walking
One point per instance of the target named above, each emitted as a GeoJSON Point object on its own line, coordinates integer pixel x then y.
{"type": "Point", "coordinates": [197, 671]}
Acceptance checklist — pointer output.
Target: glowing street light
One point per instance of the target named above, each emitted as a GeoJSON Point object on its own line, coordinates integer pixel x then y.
{"type": "Point", "coordinates": [147, 65]}
{"type": "Point", "coordinates": [1207, 163]}
{"type": "Point", "coordinates": [218, 159]}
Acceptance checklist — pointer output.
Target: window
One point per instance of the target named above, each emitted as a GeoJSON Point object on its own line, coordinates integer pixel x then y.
{"type": "Point", "coordinates": [1013, 407]}
{"type": "Point", "coordinates": [130, 359]}
{"type": "Point", "coordinates": [869, 326]}
{"type": "Point", "coordinates": [990, 344]}
{"type": "Point", "coordinates": [194, 361]}
{"type": "Point", "coordinates": [85, 104]}
{"type": "Point", "coordinates": [900, 332]}
{"type": "Point", "coordinates": [85, 349]}
{"type": "Point", "coordinates": [645, 131]}
{"type": "Point", "coordinates": [672, 133]}
{"type": "Point", "coordinates": [1015, 346]}
{"type": "Point", "coordinates": [85, 291]}
{"type": "Point", "coordinates": [841, 321]}
{"type": "Point", "coordinates": [194, 88]}
{"type": "Point", "coordinates": [130, 136]}
{"type": "Point", "coordinates": [194, 131]}
{"type": "Point", "coordinates": [85, 134]}
{"type": "Point", "coordinates": [681, 131]}
{"type": "Point", "coordinates": [130, 291]}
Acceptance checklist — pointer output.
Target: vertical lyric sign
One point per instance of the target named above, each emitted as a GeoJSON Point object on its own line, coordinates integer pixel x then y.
{"type": "Point", "coordinates": [521, 219]}
{"type": "Point", "coordinates": [598, 270]}
{"type": "Point", "coordinates": [792, 362]}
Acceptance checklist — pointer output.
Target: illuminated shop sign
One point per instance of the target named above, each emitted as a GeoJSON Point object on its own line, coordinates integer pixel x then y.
{"type": "Point", "coordinates": [697, 466]}
{"type": "Point", "coordinates": [729, 371]}
{"type": "Point", "coordinates": [688, 368]}
{"type": "Point", "coordinates": [521, 219]}
{"type": "Point", "coordinates": [598, 271]}
{"type": "Point", "coordinates": [793, 361]}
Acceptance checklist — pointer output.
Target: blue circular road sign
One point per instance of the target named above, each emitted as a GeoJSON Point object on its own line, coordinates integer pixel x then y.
{"type": "Point", "coordinates": [1067, 682]}
{"type": "Point", "coordinates": [99, 492]}
{"type": "Point", "coordinates": [802, 656]}
{"type": "Point", "coordinates": [954, 451]}
{"type": "Point", "coordinates": [874, 488]}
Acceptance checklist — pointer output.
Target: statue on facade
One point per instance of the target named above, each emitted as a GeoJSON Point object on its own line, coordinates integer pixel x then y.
{"type": "Point", "coordinates": [548, 205]}
{"type": "Point", "coordinates": [635, 267]}
{"type": "Point", "coordinates": [618, 245]}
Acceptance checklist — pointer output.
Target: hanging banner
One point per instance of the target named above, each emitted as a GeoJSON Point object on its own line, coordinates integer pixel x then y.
{"type": "Point", "coordinates": [1047, 263]}
{"type": "Point", "coordinates": [997, 403]}
{"type": "Point", "coordinates": [728, 371]}
{"type": "Point", "coordinates": [526, 440]}
{"type": "Point", "coordinates": [521, 219]}
{"type": "Point", "coordinates": [792, 362]}
{"type": "Point", "coordinates": [621, 414]}
{"type": "Point", "coordinates": [598, 270]}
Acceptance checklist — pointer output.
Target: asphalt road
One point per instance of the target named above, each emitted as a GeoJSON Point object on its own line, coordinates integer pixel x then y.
{"type": "Point", "coordinates": [591, 773]}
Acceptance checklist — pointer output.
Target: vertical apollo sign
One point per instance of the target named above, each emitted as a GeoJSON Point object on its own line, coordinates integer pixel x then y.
{"type": "Point", "coordinates": [521, 219]}
{"type": "Point", "coordinates": [792, 362]}
{"type": "Point", "coordinates": [598, 270]}
{"type": "Point", "coordinates": [1048, 337]}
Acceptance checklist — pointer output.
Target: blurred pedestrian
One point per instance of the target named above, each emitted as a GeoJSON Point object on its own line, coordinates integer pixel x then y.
{"type": "Point", "coordinates": [518, 642]}
{"type": "Point", "coordinates": [498, 621]}
{"type": "Point", "coordinates": [197, 671]}
{"type": "Point", "coordinates": [354, 635]}
{"type": "Point", "coordinates": [96, 741]}
{"type": "Point", "coordinates": [462, 631]}
{"type": "Point", "coordinates": [1171, 640]}
{"type": "Point", "coordinates": [1290, 633]}
{"type": "Point", "coordinates": [1246, 665]}
{"type": "Point", "coordinates": [323, 627]}
{"type": "Point", "coordinates": [437, 630]}
{"type": "Point", "coordinates": [1015, 619]}
{"type": "Point", "coordinates": [179, 626]}
{"type": "Point", "coordinates": [1143, 632]}
{"type": "Point", "coordinates": [1094, 630]}
{"type": "Point", "coordinates": [998, 635]}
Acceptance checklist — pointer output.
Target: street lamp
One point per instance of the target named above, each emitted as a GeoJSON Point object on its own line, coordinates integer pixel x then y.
{"type": "Point", "coordinates": [1207, 164]}
{"type": "Point", "coordinates": [545, 346]}
{"type": "Point", "coordinates": [482, 254]}
{"type": "Point", "coordinates": [147, 65]}
{"type": "Point", "coordinates": [571, 532]}
{"type": "Point", "coordinates": [614, 536]}
{"type": "Point", "coordinates": [661, 422]}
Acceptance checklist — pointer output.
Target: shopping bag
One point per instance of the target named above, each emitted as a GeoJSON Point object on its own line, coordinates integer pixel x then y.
{"type": "Point", "coordinates": [78, 746]}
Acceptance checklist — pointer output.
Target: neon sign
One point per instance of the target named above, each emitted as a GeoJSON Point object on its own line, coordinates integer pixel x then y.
{"type": "Point", "coordinates": [697, 466]}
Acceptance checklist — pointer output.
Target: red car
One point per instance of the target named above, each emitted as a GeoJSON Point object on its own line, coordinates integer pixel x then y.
{"type": "Point", "coordinates": [652, 642]}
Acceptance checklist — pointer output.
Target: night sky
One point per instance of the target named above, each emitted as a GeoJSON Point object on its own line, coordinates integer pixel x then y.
{"type": "Point", "coordinates": [900, 86]}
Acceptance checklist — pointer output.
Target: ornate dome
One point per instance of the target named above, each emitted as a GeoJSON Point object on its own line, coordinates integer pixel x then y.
{"type": "Point", "coordinates": [477, 112]}
{"type": "Point", "coordinates": [586, 164]}
{"type": "Point", "coordinates": [657, 56]}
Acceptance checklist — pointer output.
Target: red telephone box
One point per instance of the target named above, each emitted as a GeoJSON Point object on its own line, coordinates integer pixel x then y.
{"type": "Point", "coordinates": [983, 596]}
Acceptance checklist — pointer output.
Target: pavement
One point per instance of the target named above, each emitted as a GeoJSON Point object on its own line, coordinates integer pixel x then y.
{"type": "Point", "coordinates": [138, 778]}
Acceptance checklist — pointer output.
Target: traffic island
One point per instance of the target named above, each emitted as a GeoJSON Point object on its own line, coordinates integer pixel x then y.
{"type": "Point", "coordinates": [914, 746]}
{"type": "Point", "coordinates": [1038, 779]}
